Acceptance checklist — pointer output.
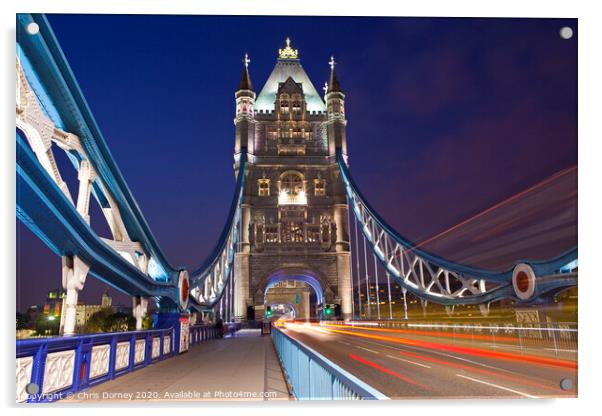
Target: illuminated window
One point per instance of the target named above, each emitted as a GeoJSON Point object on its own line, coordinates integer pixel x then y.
{"type": "Point", "coordinates": [263, 186]}
{"type": "Point", "coordinates": [319, 187]}
{"type": "Point", "coordinates": [292, 189]}
{"type": "Point", "coordinates": [292, 232]}
{"type": "Point", "coordinates": [284, 107]}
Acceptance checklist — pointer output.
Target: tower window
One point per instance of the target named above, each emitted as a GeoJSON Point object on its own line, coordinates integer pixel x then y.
{"type": "Point", "coordinates": [284, 107]}
{"type": "Point", "coordinates": [263, 186]}
{"type": "Point", "coordinates": [292, 232]}
{"type": "Point", "coordinates": [292, 189]}
{"type": "Point", "coordinates": [319, 187]}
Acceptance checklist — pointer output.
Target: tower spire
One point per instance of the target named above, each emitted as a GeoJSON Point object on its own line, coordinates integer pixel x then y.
{"type": "Point", "coordinates": [288, 52]}
{"type": "Point", "coordinates": [245, 81]}
{"type": "Point", "coordinates": [333, 84]}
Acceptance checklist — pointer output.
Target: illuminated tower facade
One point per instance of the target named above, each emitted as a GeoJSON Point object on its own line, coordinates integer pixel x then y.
{"type": "Point", "coordinates": [294, 214]}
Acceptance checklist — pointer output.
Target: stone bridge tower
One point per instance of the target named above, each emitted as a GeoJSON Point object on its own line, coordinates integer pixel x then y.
{"type": "Point", "coordinates": [294, 213]}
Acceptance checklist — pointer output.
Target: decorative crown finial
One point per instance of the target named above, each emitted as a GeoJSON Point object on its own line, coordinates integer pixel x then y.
{"type": "Point", "coordinates": [288, 52]}
{"type": "Point", "coordinates": [332, 62]}
{"type": "Point", "coordinates": [246, 60]}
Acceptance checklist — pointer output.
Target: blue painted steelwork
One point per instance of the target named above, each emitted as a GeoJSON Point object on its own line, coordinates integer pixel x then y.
{"type": "Point", "coordinates": [200, 333]}
{"type": "Point", "coordinates": [46, 210]}
{"type": "Point", "coordinates": [558, 271]}
{"type": "Point", "coordinates": [219, 265]}
{"type": "Point", "coordinates": [314, 377]}
{"type": "Point", "coordinates": [32, 77]}
{"type": "Point", "coordinates": [62, 90]}
{"type": "Point", "coordinates": [54, 219]}
{"type": "Point", "coordinates": [39, 348]}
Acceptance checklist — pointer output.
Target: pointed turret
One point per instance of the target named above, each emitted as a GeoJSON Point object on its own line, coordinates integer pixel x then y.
{"type": "Point", "coordinates": [333, 84]}
{"type": "Point", "coordinates": [335, 107]}
{"type": "Point", "coordinates": [245, 80]}
{"type": "Point", "coordinates": [245, 112]}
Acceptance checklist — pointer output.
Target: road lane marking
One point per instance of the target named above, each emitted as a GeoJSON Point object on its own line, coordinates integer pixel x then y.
{"type": "Point", "coordinates": [387, 371]}
{"type": "Point", "coordinates": [408, 361]}
{"type": "Point", "coordinates": [497, 386]}
{"type": "Point", "coordinates": [367, 349]}
{"type": "Point", "coordinates": [343, 342]}
{"type": "Point", "coordinates": [559, 349]}
{"type": "Point", "coordinates": [439, 353]}
{"type": "Point", "coordinates": [406, 347]}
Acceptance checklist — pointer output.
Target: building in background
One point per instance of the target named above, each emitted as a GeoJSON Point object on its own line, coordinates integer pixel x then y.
{"type": "Point", "coordinates": [51, 310]}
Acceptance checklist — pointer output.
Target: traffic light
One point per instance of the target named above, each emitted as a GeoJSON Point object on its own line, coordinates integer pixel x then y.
{"type": "Point", "coordinates": [268, 312]}
{"type": "Point", "coordinates": [328, 310]}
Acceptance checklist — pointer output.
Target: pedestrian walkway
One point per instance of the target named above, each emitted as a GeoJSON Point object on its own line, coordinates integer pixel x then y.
{"type": "Point", "coordinates": [243, 367]}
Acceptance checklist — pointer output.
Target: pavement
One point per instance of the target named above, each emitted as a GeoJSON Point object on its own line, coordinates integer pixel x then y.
{"type": "Point", "coordinates": [243, 367]}
{"type": "Point", "coordinates": [410, 366]}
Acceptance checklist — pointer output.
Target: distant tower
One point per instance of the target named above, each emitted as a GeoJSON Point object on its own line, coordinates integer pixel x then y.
{"type": "Point", "coordinates": [335, 105]}
{"type": "Point", "coordinates": [244, 120]}
{"type": "Point", "coordinates": [294, 223]}
{"type": "Point", "coordinates": [106, 300]}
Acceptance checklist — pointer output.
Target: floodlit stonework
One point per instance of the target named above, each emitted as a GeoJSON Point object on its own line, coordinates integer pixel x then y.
{"type": "Point", "coordinates": [294, 210]}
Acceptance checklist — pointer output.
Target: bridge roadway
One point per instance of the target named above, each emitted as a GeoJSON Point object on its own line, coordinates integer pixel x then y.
{"type": "Point", "coordinates": [244, 367]}
{"type": "Point", "coordinates": [408, 366]}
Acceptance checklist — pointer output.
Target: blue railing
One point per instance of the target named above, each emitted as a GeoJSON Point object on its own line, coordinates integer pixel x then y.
{"type": "Point", "coordinates": [200, 333]}
{"type": "Point", "coordinates": [314, 377]}
{"type": "Point", "coordinates": [50, 369]}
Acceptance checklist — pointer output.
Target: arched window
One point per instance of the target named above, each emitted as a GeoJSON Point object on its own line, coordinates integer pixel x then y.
{"type": "Point", "coordinates": [319, 187]}
{"type": "Point", "coordinates": [263, 186]}
{"type": "Point", "coordinates": [292, 189]}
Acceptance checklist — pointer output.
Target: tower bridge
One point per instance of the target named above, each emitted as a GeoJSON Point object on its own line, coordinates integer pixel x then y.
{"type": "Point", "coordinates": [298, 228]}
{"type": "Point", "coordinates": [294, 206]}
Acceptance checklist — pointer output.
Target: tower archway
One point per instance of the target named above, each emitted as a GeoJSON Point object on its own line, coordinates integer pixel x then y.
{"type": "Point", "coordinates": [304, 289]}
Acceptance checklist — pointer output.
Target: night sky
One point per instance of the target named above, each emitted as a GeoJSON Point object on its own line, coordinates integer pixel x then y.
{"type": "Point", "coordinates": [446, 117]}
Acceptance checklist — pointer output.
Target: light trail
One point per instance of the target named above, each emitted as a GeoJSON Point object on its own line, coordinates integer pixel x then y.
{"type": "Point", "coordinates": [428, 333]}
{"type": "Point", "coordinates": [386, 370]}
{"type": "Point", "coordinates": [477, 352]}
{"type": "Point", "coordinates": [520, 380]}
{"type": "Point", "coordinates": [498, 205]}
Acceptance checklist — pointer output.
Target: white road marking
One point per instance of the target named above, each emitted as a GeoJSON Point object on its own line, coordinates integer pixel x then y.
{"type": "Point", "coordinates": [445, 355]}
{"type": "Point", "coordinates": [560, 349]}
{"type": "Point", "coordinates": [408, 361]}
{"type": "Point", "coordinates": [509, 347]}
{"type": "Point", "coordinates": [343, 342]}
{"type": "Point", "coordinates": [367, 349]}
{"type": "Point", "coordinates": [497, 386]}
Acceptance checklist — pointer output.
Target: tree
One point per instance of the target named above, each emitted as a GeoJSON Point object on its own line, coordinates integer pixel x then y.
{"type": "Point", "coordinates": [47, 325]}
{"type": "Point", "coordinates": [22, 320]}
{"type": "Point", "coordinates": [107, 321]}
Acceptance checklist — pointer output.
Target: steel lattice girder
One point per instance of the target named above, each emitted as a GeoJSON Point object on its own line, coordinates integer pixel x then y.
{"type": "Point", "coordinates": [438, 280]}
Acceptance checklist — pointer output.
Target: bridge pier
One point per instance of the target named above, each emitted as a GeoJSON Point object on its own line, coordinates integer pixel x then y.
{"type": "Point", "coordinates": [74, 277]}
{"type": "Point", "coordinates": [344, 284]}
{"type": "Point", "coordinates": [139, 310]}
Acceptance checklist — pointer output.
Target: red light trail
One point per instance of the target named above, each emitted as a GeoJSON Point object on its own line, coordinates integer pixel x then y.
{"type": "Point", "coordinates": [386, 370]}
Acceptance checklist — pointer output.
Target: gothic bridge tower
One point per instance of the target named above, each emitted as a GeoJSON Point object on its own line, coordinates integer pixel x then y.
{"type": "Point", "coordinates": [294, 213]}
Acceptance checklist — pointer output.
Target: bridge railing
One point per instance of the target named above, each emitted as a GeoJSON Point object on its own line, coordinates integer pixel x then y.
{"type": "Point", "coordinates": [50, 369]}
{"type": "Point", "coordinates": [314, 377]}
